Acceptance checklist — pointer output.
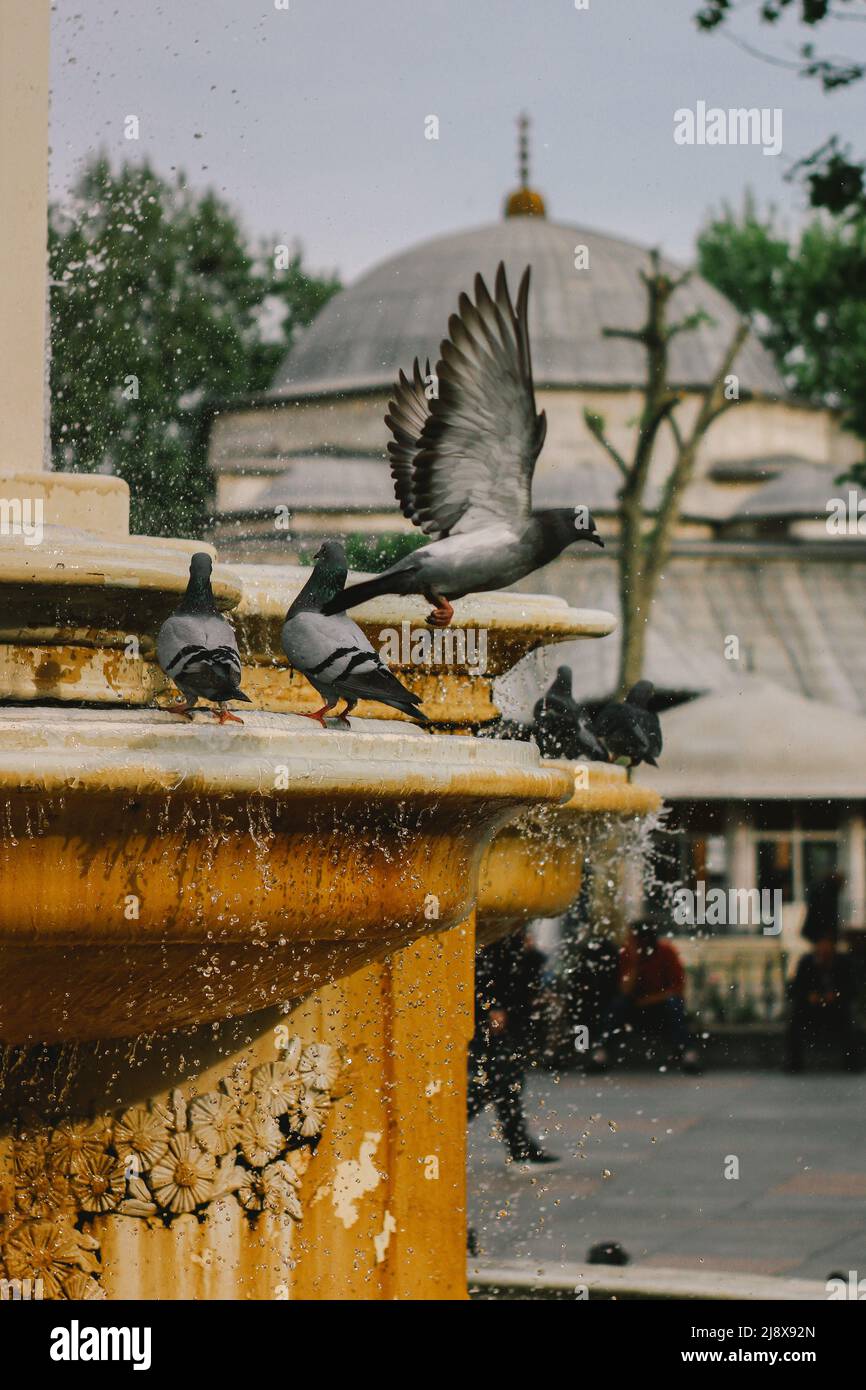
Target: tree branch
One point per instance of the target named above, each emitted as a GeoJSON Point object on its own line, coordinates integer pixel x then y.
{"type": "Point", "coordinates": [658, 543]}
{"type": "Point", "coordinates": [637, 335]}
{"type": "Point", "coordinates": [676, 432]}
{"type": "Point", "coordinates": [595, 425]}
{"type": "Point", "coordinates": [714, 402]}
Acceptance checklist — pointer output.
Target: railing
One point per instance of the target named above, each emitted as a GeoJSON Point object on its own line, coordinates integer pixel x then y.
{"type": "Point", "coordinates": [747, 987]}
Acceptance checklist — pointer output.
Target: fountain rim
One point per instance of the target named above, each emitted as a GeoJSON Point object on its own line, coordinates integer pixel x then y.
{"type": "Point", "coordinates": [150, 752]}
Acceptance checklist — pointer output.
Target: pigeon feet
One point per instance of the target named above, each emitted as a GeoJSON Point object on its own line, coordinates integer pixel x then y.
{"type": "Point", "coordinates": [442, 613]}
{"type": "Point", "coordinates": [225, 716]}
{"type": "Point", "coordinates": [184, 710]}
{"type": "Point", "coordinates": [317, 714]}
{"type": "Point", "coordinates": [344, 717]}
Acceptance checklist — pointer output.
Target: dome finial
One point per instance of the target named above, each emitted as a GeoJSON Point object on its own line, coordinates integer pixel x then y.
{"type": "Point", "coordinates": [523, 149]}
{"type": "Point", "coordinates": [524, 202]}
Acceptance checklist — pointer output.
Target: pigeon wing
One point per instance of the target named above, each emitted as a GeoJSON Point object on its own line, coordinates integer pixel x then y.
{"type": "Point", "coordinates": [589, 744]}
{"type": "Point", "coordinates": [333, 651]}
{"type": "Point", "coordinates": [187, 638]}
{"type": "Point", "coordinates": [481, 435]}
{"type": "Point", "coordinates": [622, 734]}
{"type": "Point", "coordinates": [406, 418]}
{"type": "Point", "coordinates": [651, 725]}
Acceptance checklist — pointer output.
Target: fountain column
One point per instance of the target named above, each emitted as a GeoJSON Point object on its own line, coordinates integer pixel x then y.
{"type": "Point", "coordinates": [24, 49]}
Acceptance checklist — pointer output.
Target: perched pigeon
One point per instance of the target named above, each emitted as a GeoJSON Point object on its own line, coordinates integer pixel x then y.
{"type": "Point", "coordinates": [630, 731]}
{"type": "Point", "coordinates": [462, 463]}
{"type": "Point", "coordinates": [562, 728]}
{"type": "Point", "coordinates": [333, 652]}
{"type": "Point", "coordinates": [197, 648]}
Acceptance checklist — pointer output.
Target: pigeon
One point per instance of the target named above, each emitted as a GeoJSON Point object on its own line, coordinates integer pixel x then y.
{"type": "Point", "coordinates": [332, 652]}
{"type": "Point", "coordinates": [562, 728]}
{"type": "Point", "coordinates": [629, 730]}
{"type": "Point", "coordinates": [462, 463]}
{"type": "Point", "coordinates": [197, 648]}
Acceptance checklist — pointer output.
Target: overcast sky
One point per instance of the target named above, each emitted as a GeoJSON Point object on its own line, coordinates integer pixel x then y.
{"type": "Point", "coordinates": [311, 120]}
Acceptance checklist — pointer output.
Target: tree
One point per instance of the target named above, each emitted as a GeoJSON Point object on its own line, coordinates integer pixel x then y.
{"type": "Point", "coordinates": [159, 309]}
{"type": "Point", "coordinates": [807, 296]}
{"type": "Point", "coordinates": [378, 552]}
{"type": "Point", "coordinates": [644, 540]}
{"type": "Point", "coordinates": [835, 181]}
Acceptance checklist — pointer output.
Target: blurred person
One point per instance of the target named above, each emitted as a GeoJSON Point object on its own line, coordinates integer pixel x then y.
{"type": "Point", "coordinates": [822, 997]}
{"type": "Point", "coordinates": [508, 981]}
{"type": "Point", "coordinates": [650, 995]}
{"type": "Point", "coordinates": [823, 910]}
{"type": "Point", "coordinates": [587, 992]}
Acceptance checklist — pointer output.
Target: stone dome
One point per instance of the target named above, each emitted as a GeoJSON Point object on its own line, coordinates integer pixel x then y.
{"type": "Point", "coordinates": [400, 309]}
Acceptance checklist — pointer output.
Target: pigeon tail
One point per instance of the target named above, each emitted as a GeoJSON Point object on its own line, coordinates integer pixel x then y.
{"type": "Point", "coordinates": [360, 593]}
{"type": "Point", "coordinates": [377, 684]}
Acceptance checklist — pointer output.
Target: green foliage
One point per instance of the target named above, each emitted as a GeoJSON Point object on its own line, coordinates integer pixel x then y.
{"type": "Point", "coordinates": [835, 181]}
{"type": "Point", "coordinates": [807, 296]}
{"type": "Point", "coordinates": [376, 553]}
{"type": "Point", "coordinates": [159, 310]}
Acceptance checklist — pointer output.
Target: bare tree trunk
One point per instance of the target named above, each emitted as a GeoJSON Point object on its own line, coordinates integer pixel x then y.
{"type": "Point", "coordinates": [645, 543]}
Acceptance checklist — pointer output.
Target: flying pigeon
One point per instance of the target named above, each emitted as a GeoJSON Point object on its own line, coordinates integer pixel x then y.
{"type": "Point", "coordinates": [462, 463]}
{"type": "Point", "coordinates": [332, 652]}
{"type": "Point", "coordinates": [562, 728]}
{"type": "Point", "coordinates": [630, 731]}
{"type": "Point", "coordinates": [197, 648]}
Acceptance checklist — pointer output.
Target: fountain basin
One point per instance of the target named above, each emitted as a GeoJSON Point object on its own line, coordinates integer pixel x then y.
{"type": "Point", "coordinates": [457, 691]}
{"type": "Point", "coordinates": [162, 873]}
{"type": "Point", "coordinates": [179, 896]}
{"type": "Point", "coordinates": [534, 865]}
{"type": "Point", "coordinates": [80, 610]}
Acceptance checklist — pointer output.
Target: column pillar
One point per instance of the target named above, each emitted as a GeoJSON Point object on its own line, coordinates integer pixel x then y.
{"type": "Point", "coordinates": [742, 856]}
{"type": "Point", "coordinates": [24, 47]}
{"type": "Point", "coordinates": [854, 868]}
{"type": "Point", "coordinates": [385, 1198]}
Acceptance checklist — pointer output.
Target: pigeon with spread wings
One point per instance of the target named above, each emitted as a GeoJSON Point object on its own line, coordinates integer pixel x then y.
{"type": "Point", "coordinates": [463, 461]}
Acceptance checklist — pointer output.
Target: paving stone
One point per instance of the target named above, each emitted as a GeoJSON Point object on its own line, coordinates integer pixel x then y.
{"type": "Point", "coordinates": [797, 1208]}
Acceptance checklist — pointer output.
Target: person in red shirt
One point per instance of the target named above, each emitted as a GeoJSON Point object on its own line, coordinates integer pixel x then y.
{"type": "Point", "coordinates": [650, 993]}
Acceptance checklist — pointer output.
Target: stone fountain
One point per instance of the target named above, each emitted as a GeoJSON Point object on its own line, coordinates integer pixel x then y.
{"type": "Point", "coordinates": [236, 964]}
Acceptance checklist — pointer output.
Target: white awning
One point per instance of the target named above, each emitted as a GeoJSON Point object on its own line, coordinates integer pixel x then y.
{"type": "Point", "coordinates": [759, 743]}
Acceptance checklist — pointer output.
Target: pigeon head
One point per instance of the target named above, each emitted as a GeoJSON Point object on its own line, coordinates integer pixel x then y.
{"type": "Point", "coordinates": [331, 569]}
{"type": "Point", "coordinates": [563, 679]}
{"type": "Point", "coordinates": [199, 595]}
{"type": "Point", "coordinates": [584, 525]}
{"type": "Point", "coordinates": [562, 526]}
{"type": "Point", "coordinates": [331, 555]}
{"type": "Point", "coordinates": [641, 694]}
{"type": "Point", "coordinates": [201, 565]}
{"type": "Point", "coordinates": [327, 580]}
